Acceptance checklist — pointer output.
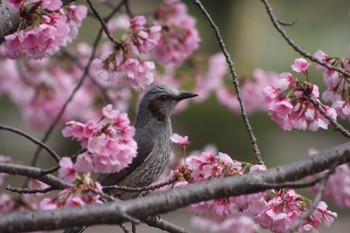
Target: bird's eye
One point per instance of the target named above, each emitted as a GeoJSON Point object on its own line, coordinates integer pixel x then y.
{"type": "Point", "coordinates": [164, 97]}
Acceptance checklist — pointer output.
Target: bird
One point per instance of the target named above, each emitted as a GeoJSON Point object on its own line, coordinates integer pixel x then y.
{"type": "Point", "coordinates": [152, 135]}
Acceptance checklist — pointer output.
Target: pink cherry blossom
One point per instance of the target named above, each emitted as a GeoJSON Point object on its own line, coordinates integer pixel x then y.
{"type": "Point", "coordinates": [16, 3]}
{"type": "Point", "coordinates": [257, 168]}
{"type": "Point", "coordinates": [51, 5]}
{"type": "Point", "coordinates": [75, 16]}
{"type": "Point", "coordinates": [251, 91]}
{"type": "Point", "coordinates": [109, 112]}
{"type": "Point", "coordinates": [86, 191]}
{"type": "Point", "coordinates": [322, 56]}
{"type": "Point", "coordinates": [289, 106]}
{"type": "Point", "coordinates": [179, 36]}
{"type": "Point", "coordinates": [40, 41]}
{"type": "Point", "coordinates": [67, 171]}
{"type": "Point", "coordinates": [109, 143]}
{"type": "Point", "coordinates": [181, 140]}
{"type": "Point", "coordinates": [46, 36]}
{"type": "Point", "coordinates": [301, 65]}
{"type": "Point", "coordinates": [212, 79]}
{"type": "Point", "coordinates": [113, 67]}
{"type": "Point", "coordinates": [6, 203]}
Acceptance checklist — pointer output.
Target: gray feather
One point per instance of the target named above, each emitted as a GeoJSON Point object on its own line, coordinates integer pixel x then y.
{"type": "Point", "coordinates": [153, 131]}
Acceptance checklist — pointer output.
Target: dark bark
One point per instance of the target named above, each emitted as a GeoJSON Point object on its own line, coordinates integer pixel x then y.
{"type": "Point", "coordinates": [158, 203]}
{"type": "Point", "coordinates": [9, 19]}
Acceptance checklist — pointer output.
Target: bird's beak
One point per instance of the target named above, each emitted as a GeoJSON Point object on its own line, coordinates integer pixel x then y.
{"type": "Point", "coordinates": [185, 95]}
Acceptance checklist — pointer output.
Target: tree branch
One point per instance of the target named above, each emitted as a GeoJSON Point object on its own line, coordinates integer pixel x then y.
{"type": "Point", "coordinates": [164, 225]}
{"type": "Point", "coordinates": [35, 173]}
{"type": "Point", "coordinates": [9, 18]}
{"type": "Point", "coordinates": [112, 213]}
{"type": "Point", "coordinates": [32, 139]}
{"type": "Point", "coordinates": [234, 81]}
{"type": "Point", "coordinates": [277, 24]}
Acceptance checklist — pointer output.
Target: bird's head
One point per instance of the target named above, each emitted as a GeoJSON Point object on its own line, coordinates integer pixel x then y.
{"type": "Point", "coordinates": [161, 100]}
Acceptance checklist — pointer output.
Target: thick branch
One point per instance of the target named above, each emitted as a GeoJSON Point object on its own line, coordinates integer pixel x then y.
{"type": "Point", "coordinates": [35, 173]}
{"type": "Point", "coordinates": [111, 213]}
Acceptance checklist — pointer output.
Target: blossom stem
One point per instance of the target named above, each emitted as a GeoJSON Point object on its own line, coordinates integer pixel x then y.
{"type": "Point", "coordinates": [235, 82]}
{"type": "Point", "coordinates": [276, 23]}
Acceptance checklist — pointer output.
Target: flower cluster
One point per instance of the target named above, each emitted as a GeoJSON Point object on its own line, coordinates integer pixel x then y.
{"type": "Point", "coordinates": [337, 84]}
{"type": "Point", "coordinates": [289, 102]}
{"type": "Point", "coordinates": [337, 188]}
{"type": "Point", "coordinates": [275, 210]}
{"type": "Point", "coordinates": [109, 143]}
{"type": "Point", "coordinates": [179, 35]}
{"type": "Point", "coordinates": [40, 89]}
{"type": "Point", "coordinates": [143, 38]}
{"type": "Point", "coordinates": [251, 90]}
{"type": "Point", "coordinates": [117, 67]}
{"type": "Point", "coordinates": [124, 64]}
{"type": "Point", "coordinates": [43, 34]}
{"type": "Point", "coordinates": [31, 201]}
{"type": "Point", "coordinates": [86, 191]}
{"type": "Point", "coordinates": [278, 210]}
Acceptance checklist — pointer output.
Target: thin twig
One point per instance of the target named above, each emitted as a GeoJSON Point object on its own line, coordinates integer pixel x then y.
{"type": "Point", "coordinates": [24, 77]}
{"type": "Point", "coordinates": [235, 83]}
{"type": "Point", "coordinates": [127, 9]}
{"type": "Point", "coordinates": [296, 184]}
{"type": "Point", "coordinates": [133, 227]}
{"type": "Point", "coordinates": [157, 222]}
{"type": "Point", "coordinates": [28, 191]}
{"type": "Point", "coordinates": [313, 206]}
{"type": "Point", "coordinates": [69, 99]}
{"type": "Point", "coordinates": [103, 24]}
{"type": "Point", "coordinates": [302, 52]}
{"type": "Point", "coordinates": [32, 139]}
{"type": "Point", "coordinates": [287, 23]}
{"type": "Point", "coordinates": [50, 170]}
{"type": "Point", "coordinates": [125, 229]}
{"type": "Point", "coordinates": [77, 87]}
{"type": "Point", "coordinates": [333, 122]}
{"type": "Point", "coordinates": [103, 90]}
{"type": "Point", "coordinates": [115, 10]}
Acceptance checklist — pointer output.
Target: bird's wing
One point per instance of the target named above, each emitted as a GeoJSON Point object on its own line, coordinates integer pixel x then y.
{"type": "Point", "coordinates": [144, 151]}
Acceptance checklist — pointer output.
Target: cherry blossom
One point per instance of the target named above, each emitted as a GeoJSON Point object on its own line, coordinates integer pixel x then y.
{"type": "Point", "coordinates": [50, 31]}
{"type": "Point", "coordinates": [181, 140]}
{"type": "Point", "coordinates": [337, 85]}
{"type": "Point", "coordinates": [251, 92]}
{"type": "Point", "coordinates": [117, 68]}
{"type": "Point", "coordinates": [289, 106]}
{"type": "Point", "coordinates": [179, 37]}
{"type": "Point", "coordinates": [109, 143]}
{"type": "Point", "coordinates": [86, 191]}
{"type": "Point", "coordinates": [67, 171]}
{"type": "Point", "coordinates": [300, 65]}
{"type": "Point", "coordinates": [144, 39]}
{"type": "Point", "coordinates": [275, 210]}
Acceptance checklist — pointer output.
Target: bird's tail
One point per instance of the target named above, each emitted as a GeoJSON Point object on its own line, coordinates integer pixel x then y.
{"type": "Point", "coordinates": [75, 230]}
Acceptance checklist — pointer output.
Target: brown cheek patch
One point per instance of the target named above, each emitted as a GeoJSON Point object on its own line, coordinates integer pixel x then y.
{"type": "Point", "coordinates": [155, 106]}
